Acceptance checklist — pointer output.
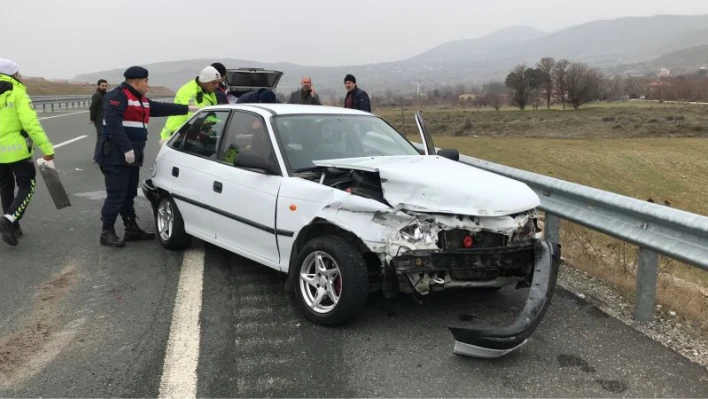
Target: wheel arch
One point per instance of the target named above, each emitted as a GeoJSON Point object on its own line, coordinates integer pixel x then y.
{"type": "Point", "coordinates": [322, 227]}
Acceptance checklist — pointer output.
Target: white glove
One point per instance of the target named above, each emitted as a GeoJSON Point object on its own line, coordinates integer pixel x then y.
{"type": "Point", "coordinates": [162, 142]}
{"type": "Point", "coordinates": [130, 156]}
{"type": "Point", "coordinates": [193, 109]}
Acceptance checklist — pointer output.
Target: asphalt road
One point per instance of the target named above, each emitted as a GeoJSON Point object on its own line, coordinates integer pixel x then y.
{"type": "Point", "coordinates": [79, 319]}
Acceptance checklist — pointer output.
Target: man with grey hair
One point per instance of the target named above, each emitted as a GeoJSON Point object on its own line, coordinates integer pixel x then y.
{"type": "Point", "coordinates": [305, 94]}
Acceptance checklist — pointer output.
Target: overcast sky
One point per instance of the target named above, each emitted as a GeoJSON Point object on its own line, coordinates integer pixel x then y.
{"type": "Point", "coordinates": [68, 37]}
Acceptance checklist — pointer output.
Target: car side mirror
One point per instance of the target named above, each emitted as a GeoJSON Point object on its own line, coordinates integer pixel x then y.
{"type": "Point", "coordinates": [449, 154]}
{"type": "Point", "coordinates": [249, 160]}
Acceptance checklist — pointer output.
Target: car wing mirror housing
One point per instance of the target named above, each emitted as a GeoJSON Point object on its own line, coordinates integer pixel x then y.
{"type": "Point", "coordinates": [248, 160]}
{"type": "Point", "coordinates": [449, 154]}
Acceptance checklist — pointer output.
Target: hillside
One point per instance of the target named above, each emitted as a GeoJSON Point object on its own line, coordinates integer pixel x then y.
{"type": "Point", "coordinates": [606, 44]}
{"type": "Point", "coordinates": [687, 60]}
{"type": "Point", "coordinates": [43, 87]}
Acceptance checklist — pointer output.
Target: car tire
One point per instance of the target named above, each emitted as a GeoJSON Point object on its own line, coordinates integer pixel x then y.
{"type": "Point", "coordinates": [351, 290]}
{"type": "Point", "coordinates": [174, 237]}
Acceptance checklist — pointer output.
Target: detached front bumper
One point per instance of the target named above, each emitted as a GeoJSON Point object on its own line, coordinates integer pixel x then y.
{"type": "Point", "coordinates": [492, 342]}
{"type": "Point", "coordinates": [533, 265]}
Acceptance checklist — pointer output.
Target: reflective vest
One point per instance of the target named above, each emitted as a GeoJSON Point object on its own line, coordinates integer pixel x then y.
{"type": "Point", "coordinates": [20, 129]}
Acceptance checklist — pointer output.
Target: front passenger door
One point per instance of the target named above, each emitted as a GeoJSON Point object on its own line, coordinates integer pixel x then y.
{"type": "Point", "coordinates": [244, 200]}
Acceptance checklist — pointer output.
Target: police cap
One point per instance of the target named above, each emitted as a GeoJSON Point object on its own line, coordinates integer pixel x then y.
{"type": "Point", "coordinates": [136, 72]}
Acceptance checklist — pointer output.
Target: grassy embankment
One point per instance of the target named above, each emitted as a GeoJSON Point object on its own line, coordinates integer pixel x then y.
{"type": "Point", "coordinates": [654, 152]}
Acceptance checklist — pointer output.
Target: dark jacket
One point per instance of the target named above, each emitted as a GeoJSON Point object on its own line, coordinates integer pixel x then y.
{"type": "Point", "coordinates": [296, 98]}
{"type": "Point", "coordinates": [96, 108]}
{"type": "Point", "coordinates": [360, 100]}
{"type": "Point", "coordinates": [221, 97]}
{"type": "Point", "coordinates": [114, 104]}
{"type": "Point", "coordinates": [258, 96]}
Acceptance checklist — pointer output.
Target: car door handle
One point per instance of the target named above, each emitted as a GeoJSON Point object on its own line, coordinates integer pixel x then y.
{"type": "Point", "coordinates": [175, 171]}
{"type": "Point", "coordinates": [217, 186]}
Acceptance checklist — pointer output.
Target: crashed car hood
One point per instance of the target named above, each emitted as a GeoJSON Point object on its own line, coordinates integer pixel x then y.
{"type": "Point", "coordinates": [440, 185]}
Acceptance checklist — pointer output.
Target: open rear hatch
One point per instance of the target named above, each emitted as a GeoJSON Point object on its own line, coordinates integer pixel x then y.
{"type": "Point", "coordinates": [243, 80]}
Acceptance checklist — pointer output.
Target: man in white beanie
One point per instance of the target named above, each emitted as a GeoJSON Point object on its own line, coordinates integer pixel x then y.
{"type": "Point", "coordinates": [199, 92]}
{"type": "Point", "coordinates": [20, 131]}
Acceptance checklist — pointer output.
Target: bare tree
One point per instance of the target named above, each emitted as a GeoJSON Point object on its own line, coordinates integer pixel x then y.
{"type": "Point", "coordinates": [546, 66]}
{"type": "Point", "coordinates": [559, 74]}
{"type": "Point", "coordinates": [582, 83]}
{"type": "Point", "coordinates": [494, 94]}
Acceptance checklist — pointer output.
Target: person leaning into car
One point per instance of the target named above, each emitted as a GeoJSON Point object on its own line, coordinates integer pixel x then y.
{"type": "Point", "coordinates": [200, 92]}
{"type": "Point", "coordinates": [126, 113]}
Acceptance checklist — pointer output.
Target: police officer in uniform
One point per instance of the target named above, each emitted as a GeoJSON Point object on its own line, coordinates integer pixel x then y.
{"type": "Point", "coordinates": [20, 131]}
{"type": "Point", "coordinates": [126, 113]}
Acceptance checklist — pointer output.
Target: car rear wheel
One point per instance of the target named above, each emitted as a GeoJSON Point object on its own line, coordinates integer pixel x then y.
{"type": "Point", "coordinates": [169, 225]}
{"type": "Point", "coordinates": [332, 284]}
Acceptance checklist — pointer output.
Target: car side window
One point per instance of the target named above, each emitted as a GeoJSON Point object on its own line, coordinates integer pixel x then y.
{"type": "Point", "coordinates": [246, 133]}
{"type": "Point", "coordinates": [201, 136]}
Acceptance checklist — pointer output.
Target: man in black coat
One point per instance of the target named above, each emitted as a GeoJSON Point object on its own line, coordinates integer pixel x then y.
{"type": "Point", "coordinates": [356, 98]}
{"type": "Point", "coordinates": [96, 111]}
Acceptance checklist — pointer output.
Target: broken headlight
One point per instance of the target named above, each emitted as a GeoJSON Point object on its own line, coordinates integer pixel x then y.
{"type": "Point", "coordinates": [525, 233]}
{"type": "Point", "coordinates": [421, 231]}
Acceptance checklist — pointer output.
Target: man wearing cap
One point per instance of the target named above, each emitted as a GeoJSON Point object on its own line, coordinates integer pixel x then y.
{"type": "Point", "coordinates": [126, 113]}
{"type": "Point", "coordinates": [198, 92]}
{"type": "Point", "coordinates": [356, 98]}
{"type": "Point", "coordinates": [221, 94]}
{"type": "Point", "coordinates": [20, 130]}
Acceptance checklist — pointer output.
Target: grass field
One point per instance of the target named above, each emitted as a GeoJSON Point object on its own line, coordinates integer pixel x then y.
{"type": "Point", "coordinates": [659, 153]}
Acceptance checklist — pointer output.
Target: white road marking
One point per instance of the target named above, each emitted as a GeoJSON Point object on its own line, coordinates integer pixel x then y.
{"type": "Point", "coordinates": [70, 141]}
{"type": "Point", "coordinates": [62, 115]}
{"type": "Point", "coordinates": [179, 372]}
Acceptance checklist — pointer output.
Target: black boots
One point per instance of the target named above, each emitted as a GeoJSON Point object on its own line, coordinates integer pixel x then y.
{"type": "Point", "coordinates": [7, 230]}
{"type": "Point", "coordinates": [134, 233]}
{"type": "Point", "coordinates": [110, 239]}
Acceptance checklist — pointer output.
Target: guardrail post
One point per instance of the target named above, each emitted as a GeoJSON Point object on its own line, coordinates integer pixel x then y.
{"type": "Point", "coordinates": [552, 226]}
{"type": "Point", "coordinates": [647, 274]}
{"type": "Point", "coordinates": [52, 107]}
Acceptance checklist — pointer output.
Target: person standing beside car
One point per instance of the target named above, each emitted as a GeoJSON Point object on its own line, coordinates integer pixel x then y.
{"type": "Point", "coordinates": [306, 94]}
{"type": "Point", "coordinates": [96, 111]}
{"type": "Point", "coordinates": [126, 113]}
{"type": "Point", "coordinates": [356, 98]}
{"type": "Point", "coordinates": [198, 92]}
{"type": "Point", "coordinates": [20, 130]}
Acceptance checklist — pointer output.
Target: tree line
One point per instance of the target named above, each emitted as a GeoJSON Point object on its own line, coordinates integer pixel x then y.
{"type": "Point", "coordinates": [549, 82]}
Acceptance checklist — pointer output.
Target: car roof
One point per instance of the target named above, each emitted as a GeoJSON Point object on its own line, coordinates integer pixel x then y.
{"type": "Point", "coordinates": [289, 109]}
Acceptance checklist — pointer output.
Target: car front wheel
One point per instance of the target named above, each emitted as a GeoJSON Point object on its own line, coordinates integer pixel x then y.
{"type": "Point", "coordinates": [332, 280]}
{"type": "Point", "coordinates": [169, 225]}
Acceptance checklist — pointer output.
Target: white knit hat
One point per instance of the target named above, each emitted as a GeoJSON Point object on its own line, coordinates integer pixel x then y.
{"type": "Point", "coordinates": [8, 67]}
{"type": "Point", "coordinates": [209, 74]}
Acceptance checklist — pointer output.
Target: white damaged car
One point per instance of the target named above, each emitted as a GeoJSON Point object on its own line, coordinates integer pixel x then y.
{"type": "Point", "coordinates": [344, 205]}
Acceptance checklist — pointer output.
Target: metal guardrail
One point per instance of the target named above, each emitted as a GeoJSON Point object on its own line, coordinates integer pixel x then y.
{"type": "Point", "coordinates": [655, 229]}
{"type": "Point", "coordinates": [72, 101]}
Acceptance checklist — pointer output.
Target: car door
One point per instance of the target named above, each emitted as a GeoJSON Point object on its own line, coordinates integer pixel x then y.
{"type": "Point", "coordinates": [244, 200]}
{"type": "Point", "coordinates": [195, 148]}
{"type": "Point", "coordinates": [427, 140]}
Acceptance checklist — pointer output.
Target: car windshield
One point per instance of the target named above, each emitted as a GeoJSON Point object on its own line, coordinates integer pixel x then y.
{"type": "Point", "coordinates": [308, 138]}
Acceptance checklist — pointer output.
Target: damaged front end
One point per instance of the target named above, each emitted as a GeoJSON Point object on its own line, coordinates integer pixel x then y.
{"type": "Point", "coordinates": [429, 241]}
{"type": "Point", "coordinates": [466, 252]}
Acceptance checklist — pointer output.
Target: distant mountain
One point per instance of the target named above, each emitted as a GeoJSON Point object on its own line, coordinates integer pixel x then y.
{"type": "Point", "coordinates": [681, 61]}
{"type": "Point", "coordinates": [470, 49]}
{"type": "Point", "coordinates": [606, 44]}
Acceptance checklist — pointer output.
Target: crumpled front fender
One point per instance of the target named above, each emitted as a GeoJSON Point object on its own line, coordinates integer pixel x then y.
{"type": "Point", "coordinates": [492, 342]}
